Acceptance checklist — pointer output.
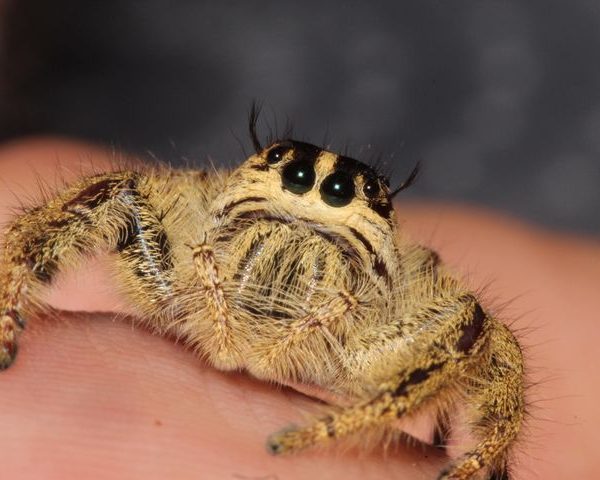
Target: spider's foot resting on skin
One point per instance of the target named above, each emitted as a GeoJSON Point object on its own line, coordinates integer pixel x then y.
{"type": "Point", "coordinates": [500, 473]}
{"type": "Point", "coordinates": [10, 324]}
{"type": "Point", "coordinates": [285, 441]}
{"type": "Point", "coordinates": [347, 421]}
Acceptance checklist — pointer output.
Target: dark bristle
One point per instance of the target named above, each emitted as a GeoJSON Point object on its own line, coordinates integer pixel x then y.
{"type": "Point", "coordinates": [409, 181]}
{"type": "Point", "coordinates": [306, 152]}
{"type": "Point", "coordinates": [381, 167]}
{"type": "Point", "coordinates": [255, 109]}
{"type": "Point", "coordinates": [274, 132]}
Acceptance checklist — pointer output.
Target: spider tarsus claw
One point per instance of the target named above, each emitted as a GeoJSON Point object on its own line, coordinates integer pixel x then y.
{"type": "Point", "coordinates": [9, 322]}
{"type": "Point", "coordinates": [8, 352]}
{"type": "Point", "coordinates": [274, 447]}
{"type": "Point", "coordinates": [282, 442]}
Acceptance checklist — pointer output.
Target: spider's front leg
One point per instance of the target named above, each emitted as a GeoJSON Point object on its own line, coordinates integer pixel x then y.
{"type": "Point", "coordinates": [472, 357]}
{"type": "Point", "coordinates": [215, 336]}
{"type": "Point", "coordinates": [110, 211]}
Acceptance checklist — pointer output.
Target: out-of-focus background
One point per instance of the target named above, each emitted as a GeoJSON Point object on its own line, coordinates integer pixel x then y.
{"type": "Point", "coordinates": [499, 98]}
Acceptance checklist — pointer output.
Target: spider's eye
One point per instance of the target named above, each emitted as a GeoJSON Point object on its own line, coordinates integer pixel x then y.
{"type": "Point", "coordinates": [298, 177]}
{"type": "Point", "coordinates": [371, 188]}
{"type": "Point", "coordinates": [276, 154]}
{"type": "Point", "coordinates": [337, 189]}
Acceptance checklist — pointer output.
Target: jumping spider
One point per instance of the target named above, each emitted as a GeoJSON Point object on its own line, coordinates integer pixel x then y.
{"type": "Point", "coordinates": [292, 267]}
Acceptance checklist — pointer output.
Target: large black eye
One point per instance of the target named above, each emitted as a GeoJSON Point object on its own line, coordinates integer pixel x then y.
{"type": "Point", "coordinates": [371, 188]}
{"type": "Point", "coordinates": [276, 154]}
{"type": "Point", "coordinates": [298, 176]}
{"type": "Point", "coordinates": [337, 189]}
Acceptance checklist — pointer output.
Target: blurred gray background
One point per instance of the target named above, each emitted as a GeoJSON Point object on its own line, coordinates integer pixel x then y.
{"type": "Point", "coordinates": [499, 98]}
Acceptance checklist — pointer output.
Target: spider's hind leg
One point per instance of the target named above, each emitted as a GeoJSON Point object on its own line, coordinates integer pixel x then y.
{"type": "Point", "coordinates": [110, 211]}
{"type": "Point", "coordinates": [499, 410]}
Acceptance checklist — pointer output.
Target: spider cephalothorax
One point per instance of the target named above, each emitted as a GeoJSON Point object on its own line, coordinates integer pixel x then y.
{"type": "Point", "coordinates": [292, 267]}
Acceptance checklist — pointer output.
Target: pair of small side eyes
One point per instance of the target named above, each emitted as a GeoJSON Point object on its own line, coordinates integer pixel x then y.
{"type": "Point", "coordinates": [337, 189]}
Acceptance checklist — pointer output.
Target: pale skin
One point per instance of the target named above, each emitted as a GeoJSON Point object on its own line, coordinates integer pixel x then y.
{"type": "Point", "coordinates": [91, 397]}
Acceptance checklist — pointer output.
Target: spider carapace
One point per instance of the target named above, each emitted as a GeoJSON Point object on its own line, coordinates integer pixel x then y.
{"type": "Point", "coordinates": [292, 267]}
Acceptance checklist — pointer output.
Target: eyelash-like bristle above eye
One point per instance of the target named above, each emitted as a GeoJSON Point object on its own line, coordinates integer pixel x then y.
{"type": "Point", "coordinates": [253, 115]}
{"type": "Point", "coordinates": [274, 135]}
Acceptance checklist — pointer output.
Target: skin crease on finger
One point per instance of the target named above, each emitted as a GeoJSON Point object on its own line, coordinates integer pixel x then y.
{"type": "Point", "coordinates": [95, 398]}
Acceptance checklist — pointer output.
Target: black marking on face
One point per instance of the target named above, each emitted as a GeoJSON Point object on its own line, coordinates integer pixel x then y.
{"type": "Point", "coordinates": [362, 239]}
{"type": "Point", "coordinates": [379, 265]}
{"type": "Point", "coordinates": [471, 331]}
{"type": "Point", "coordinates": [261, 167]}
{"type": "Point", "coordinates": [230, 206]}
{"type": "Point", "coordinates": [305, 152]}
{"type": "Point", "coordinates": [383, 208]}
{"type": "Point", "coordinates": [416, 376]}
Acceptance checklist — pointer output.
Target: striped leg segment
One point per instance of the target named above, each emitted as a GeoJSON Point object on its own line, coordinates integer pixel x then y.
{"type": "Point", "coordinates": [107, 211]}
{"type": "Point", "coordinates": [499, 415]}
